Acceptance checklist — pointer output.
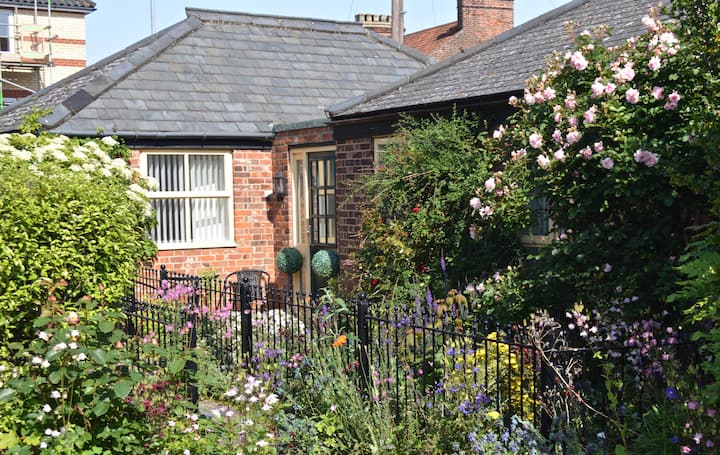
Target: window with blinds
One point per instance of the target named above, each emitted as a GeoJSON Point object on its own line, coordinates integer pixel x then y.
{"type": "Point", "coordinates": [194, 200]}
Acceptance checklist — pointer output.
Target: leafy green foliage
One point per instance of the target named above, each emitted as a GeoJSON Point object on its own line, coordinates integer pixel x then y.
{"type": "Point", "coordinates": [74, 223]}
{"type": "Point", "coordinates": [418, 217]}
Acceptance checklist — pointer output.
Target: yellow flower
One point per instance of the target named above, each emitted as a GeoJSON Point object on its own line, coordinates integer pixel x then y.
{"type": "Point", "coordinates": [493, 415]}
{"type": "Point", "coordinates": [339, 341]}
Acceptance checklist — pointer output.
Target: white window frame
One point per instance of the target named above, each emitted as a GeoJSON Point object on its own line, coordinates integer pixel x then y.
{"type": "Point", "coordinates": [379, 145]}
{"type": "Point", "coordinates": [188, 196]}
{"type": "Point", "coordinates": [10, 30]}
{"type": "Point", "coordinates": [530, 240]}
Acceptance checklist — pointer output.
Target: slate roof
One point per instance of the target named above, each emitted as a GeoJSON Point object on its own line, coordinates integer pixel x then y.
{"type": "Point", "coordinates": [502, 64]}
{"type": "Point", "coordinates": [221, 74]}
{"type": "Point", "coordinates": [63, 5]}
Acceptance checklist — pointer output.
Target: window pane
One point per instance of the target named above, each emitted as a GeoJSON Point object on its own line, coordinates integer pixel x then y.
{"type": "Point", "coordinates": [539, 223]}
{"type": "Point", "coordinates": [210, 219]}
{"type": "Point", "coordinates": [170, 226]}
{"type": "Point", "coordinates": [207, 172]}
{"type": "Point", "coordinates": [168, 170]}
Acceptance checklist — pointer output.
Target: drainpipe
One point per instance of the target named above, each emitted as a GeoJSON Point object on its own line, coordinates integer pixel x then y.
{"type": "Point", "coordinates": [398, 28]}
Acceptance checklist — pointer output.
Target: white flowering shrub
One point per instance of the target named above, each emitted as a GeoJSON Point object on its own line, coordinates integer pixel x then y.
{"type": "Point", "coordinates": [74, 222]}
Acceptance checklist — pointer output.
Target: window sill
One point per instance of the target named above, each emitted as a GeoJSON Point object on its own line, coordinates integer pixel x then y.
{"type": "Point", "coordinates": [532, 241]}
{"type": "Point", "coordinates": [195, 246]}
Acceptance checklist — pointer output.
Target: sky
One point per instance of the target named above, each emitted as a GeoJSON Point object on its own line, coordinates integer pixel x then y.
{"type": "Point", "coordinates": [118, 23]}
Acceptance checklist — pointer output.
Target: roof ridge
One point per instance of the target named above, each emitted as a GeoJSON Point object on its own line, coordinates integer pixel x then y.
{"type": "Point", "coordinates": [273, 20]}
{"type": "Point", "coordinates": [455, 58]}
{"type": "Point", "coordinates": [137, 55]}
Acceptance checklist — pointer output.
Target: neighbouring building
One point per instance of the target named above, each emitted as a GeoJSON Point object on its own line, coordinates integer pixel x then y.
{"type": "Point", "coordinates": [477, 22]}
{"type": "Point", "coordinates": [41, 42]}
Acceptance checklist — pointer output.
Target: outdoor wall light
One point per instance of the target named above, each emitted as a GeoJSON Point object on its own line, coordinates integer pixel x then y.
{"type": "Point", "coordinates": [280, 186]}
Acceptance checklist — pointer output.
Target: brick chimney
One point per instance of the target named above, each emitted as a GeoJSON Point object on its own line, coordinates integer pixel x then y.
{"type": "Point", "coordinates": [478, 21]}
{"type": "Point", "coordinates": [376, 22]}
{"type": "Point", "coordinates": [484, 19]}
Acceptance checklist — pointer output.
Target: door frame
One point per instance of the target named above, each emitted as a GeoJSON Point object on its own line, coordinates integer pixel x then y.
{"type": "Point", "coordinates": [300, 208]}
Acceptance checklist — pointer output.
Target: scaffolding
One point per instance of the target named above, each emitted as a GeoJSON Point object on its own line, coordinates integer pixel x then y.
{"type": "Point", "coordinates": [32, 50]}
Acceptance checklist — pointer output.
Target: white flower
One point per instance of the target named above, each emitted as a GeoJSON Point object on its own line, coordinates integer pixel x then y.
{"type": "Point", "coordinates": [45, 364]}
{"type": "Point", "coordinates": [490, 184]}
{"type": "Point", "coordinates": [74, 333]}
{"type": "Point", "coordinates": [43, 336]}
{"type": "Point", "coordinates": [75, 168]}
{"type": "Point", "coordinates": [152, 183]}
{"type": "Point", "coordinates": [55, 394]}
{"type": "Point", "coordinates": [109, 141]}
{"type": "Point", "coordinates": [186, 452]}
{"type": "Point", "coordinates": [232, 392]}
{"type": "Point", "coordinates": [43, 445]}
{"type": "Point", "coordinates": [36, 360]}
{"type": "Point", "coordinates": [171, 423]}
{"type": "Point", "coordinates": [229, 413]}
{"type": "Point", "coordinates": [79, 155]}
{"type": "Point", "coordinates": [46, 408]}
{"type": "Point", "coordinates": [80, 357]}
{"type": "Point", "coordinates": [22, 155]}
{"type": "Point", "coordinates": [60, 346]}
{"type": "Point", "coordinates": [59, 155]}
{"type": "Point", "coordinates": [72, 345]}
{"type": "Point", "coordinates": [262, 443]}
{"type": "Point", "coordinates": [106, 172]}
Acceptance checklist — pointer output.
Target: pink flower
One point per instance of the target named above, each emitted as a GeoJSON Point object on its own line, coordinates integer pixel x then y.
{"type": "Point", "coordinates": [668, 39]}
{"type": "Point", "coordinates": [549, 93]}
{"type": "Point", "coordinates": [570, 101]}
{"type": "Point", "coordinates": [608, 163]}
{"type": "Point", "coordinates": [632, 96]}
{"type": "Point", "coordinates": [647, 158]}
{"type": "Point", "coordinates": [529, 99]}
{"type": "Point", "coordinates": [670, 106]}
{"type": "Point", "coordinates": [590, 115]}
{"type": "Point", "coordinates": [490, 184]}
{"type": "Point", "coordinates": [658, 92]}
{"type": "Point", "coordinates": [539, 97]}
{"type": "Point", "coordinates": [598, 146]}
{"type": "Point", "coordinates": [672, 51]}
{"type": "Point", "coordinates": [498, 133]}
{"type": "Point", "coordinates": [586, 153]}
{"type": "Point", "coordinates": [674, 97]}
{"type": "Point", "coordinates": [598, 88]}
{"type": "Point", "coordinates": [543, 161]}
{"type": "Point", "coordinates": [572, 121]}
{"type": "Point", "coordinates": [519, 154]}
{"type": "Point", "coordinates": [607, 268]}
{"type": "Point", "coordinates": [557, 136]}
{"type": "Point", "coordinates": [573, 137]}
{"type": "Point", "coordinates": [610, 88]}
{"type": "Point", "coordinates": [654, 63]}
{"type": "Point", "coordinates": [513, 100]}
{"type": "Point", "coordinates": [559, 154]}
{"type": "Point", "coordinates": [578, 61]}
{"type": "Point", "coordinates": [475, 203]}
{"type": "Point", "coordinates": [625, 74]}
{"type": "Point", "coordinates": [650, 24]}
{"type": "Point", "coordinates": [486, 211]}
{"type": "Point", "coordinates": [558, 117]}
{"type": "Point", "coordinates": [472, 232]}
{"type": "Point", "coordinates": [536, 141]}
{"type": "Point", "coordinates": [686, 449]}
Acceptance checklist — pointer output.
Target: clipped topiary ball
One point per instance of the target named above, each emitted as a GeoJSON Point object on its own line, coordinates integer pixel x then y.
{"type": "Point", "coordinates": [325, 263]}
{"type": "Point", "coordinates": [289, 260]}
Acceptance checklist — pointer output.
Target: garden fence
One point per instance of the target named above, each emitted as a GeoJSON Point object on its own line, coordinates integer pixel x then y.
{"type": "Point", "coordinates": [448, 360]}
{"type": "Point", "coordinates": [445, 359]}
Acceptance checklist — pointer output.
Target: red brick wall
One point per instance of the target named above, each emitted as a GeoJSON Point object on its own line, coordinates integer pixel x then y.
{"type": "Point", "coordinates": [253, 223]}
{"type": "Point", "coordinates": [353, 159]}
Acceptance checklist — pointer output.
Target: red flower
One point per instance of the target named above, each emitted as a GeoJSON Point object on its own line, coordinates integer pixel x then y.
{"type": "Point", "coordinates": [422, 268]}
{"type": "Point", "coordinates": [374, 282]}
{"type": "Point", "coordinates": [416, 209]}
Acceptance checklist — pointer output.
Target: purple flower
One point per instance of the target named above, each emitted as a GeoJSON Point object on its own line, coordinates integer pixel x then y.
{"type": "Point", "coordinates": [672, 393]}
{"type": "Point", "coordinates": [692, 405]}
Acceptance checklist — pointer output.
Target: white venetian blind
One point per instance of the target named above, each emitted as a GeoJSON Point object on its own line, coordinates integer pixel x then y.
{"type": "Point", "coordinates": [193, 200]}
